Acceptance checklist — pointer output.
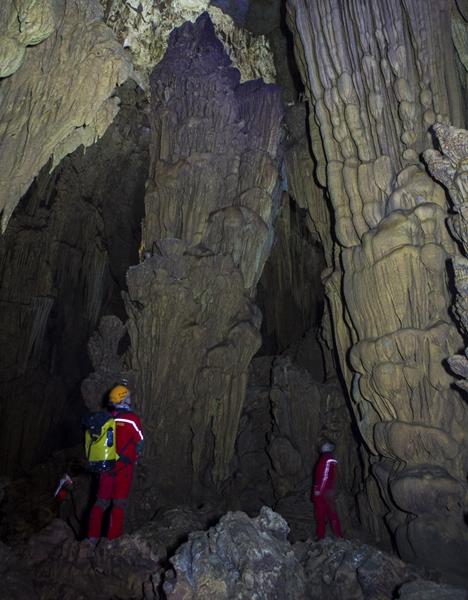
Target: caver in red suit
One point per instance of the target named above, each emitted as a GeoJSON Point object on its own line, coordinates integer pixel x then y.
{"type": "Point", "coordinates": [115, 485]}
{"type": "Point", "coordinates": [325, 491]}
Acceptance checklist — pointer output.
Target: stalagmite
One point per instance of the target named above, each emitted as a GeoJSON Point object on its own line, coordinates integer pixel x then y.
{"type": "Point", "coordinates": [211, 199]}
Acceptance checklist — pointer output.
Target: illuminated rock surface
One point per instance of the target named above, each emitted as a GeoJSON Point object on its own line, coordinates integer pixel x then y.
{"type": "Point", "coordinates": [268, 266]}
{"type": "Point", "coordinates": [375, 89]}
{"type": "Point", "coordinates": [211, 198]}
{"type": "Point", "coordinates": [61, 96]}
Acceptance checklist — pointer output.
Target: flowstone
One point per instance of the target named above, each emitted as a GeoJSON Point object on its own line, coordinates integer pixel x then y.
{"type": "Point", "coordinates": [378, 76]}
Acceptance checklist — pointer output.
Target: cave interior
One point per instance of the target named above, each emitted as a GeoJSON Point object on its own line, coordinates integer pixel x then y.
{"type": "Point", "coordinates": [252, 213]}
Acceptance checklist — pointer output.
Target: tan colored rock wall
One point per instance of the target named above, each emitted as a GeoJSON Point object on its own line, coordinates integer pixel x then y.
{"type": "Point", "coordinates": [63, 260]}
{"type": "Point", "coordinates": [61, 95]}
{"type": "Point", "coordinates": [378, 75]}
{"type": "Point", "coordinates": [24, 23]}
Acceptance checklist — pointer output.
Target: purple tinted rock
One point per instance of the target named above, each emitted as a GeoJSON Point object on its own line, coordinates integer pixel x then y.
{"type": "Point", "coordinates": [237, 9]}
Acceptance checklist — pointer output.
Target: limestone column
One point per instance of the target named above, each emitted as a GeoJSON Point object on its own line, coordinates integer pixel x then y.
{"type": "Point", "coordinates": [212, 196]}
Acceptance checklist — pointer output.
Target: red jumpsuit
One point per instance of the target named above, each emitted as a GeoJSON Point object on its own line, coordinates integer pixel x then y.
{"type": "Point", "coordinates": [115, 485]}
{"type": "Point", "coordinates": [324, 495]}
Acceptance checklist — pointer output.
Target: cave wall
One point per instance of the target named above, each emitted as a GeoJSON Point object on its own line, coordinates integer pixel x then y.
{"type": "Point", "coordinates": [378, 76]}
{"type": "Point", "coordinates": [63, 260]}
{"type": "Point", "coordinates": [287, 415]}
{"type": "Point", "coordinates": [60, 65]}
{"type": "Point", "coordinates": [290, 293]}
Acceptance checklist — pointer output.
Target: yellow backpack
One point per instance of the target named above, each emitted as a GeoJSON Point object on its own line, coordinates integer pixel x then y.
{"type": "Point", "coordinates": [100, 445]}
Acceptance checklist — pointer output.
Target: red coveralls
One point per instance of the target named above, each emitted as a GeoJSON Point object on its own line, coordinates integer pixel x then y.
{"type": "Point", "coordinates": [324, 495]}
{"type": "Point", "coordinates": [115, 485]}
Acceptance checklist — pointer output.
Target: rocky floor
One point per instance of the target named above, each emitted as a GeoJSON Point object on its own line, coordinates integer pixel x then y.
{"type": "Point", "coordinates": [175, 557]}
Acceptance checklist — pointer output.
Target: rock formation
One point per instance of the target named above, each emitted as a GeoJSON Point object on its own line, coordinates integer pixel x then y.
{"type": "Point", "coordinates": [238, 558]}
{"type": "Point", "coordinates": [451, 170]}
{"type": "Point", "coordinates": [293, 270]}
{"type": "Point", "coordinates": [372, 74]}
{"type": "Point", "coordinates": [211, 199]}
{"type": "Point", "coordinates": [63, 260]}
{"type": "Point", "coordinates": [244, 558]}
{"type": "Point", "coordinates": [60, 95]}
{"type": "Point", "coordinates": [25, 24]}
{"type": "Point", "coordinates": [143, 27]}
{"type": "Point", "coordinates": [286, 416]}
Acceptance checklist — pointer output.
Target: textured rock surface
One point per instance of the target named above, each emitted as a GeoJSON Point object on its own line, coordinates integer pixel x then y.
{"type": "Point", "coordinates": [60, 98]}
{"type": "Point", "coordinates": [24, 23]}
{"type": "Point", "coordinates": [16, 582]}
{"type": "Point", "coordinates": [144, 27]}
{"type": "Point", "coordinates": [285, 418]}
{"type": "Point", "coordinates": [301, 175]}
{"type": "Point", "coordinates": [61, 567]}
{"type": "Point", "coordinates": [373, 73]}
{"type": "Point", "coordinates": [450, 167]}
{"type": "Point", "coordinates": [290, 293]}
{"type": "Point", "coordinates": [240, 558]}
{"type": "Point", "coordinates": [350, 570]}
{"type": "Point", "coordinates": [50, 561]}
{"type": "Point", "coordinates": [108, 363]}
{"type": "Point", "coordinates": [237, 558]}
{"type": "Point", "coordinates": [29, 504]}
{"type": "Point", "coordinates": [63, 260]}
{"type": "Point", "coordinates": [211, 199]}
{"type": "Point", "coordinates": [427, 590]}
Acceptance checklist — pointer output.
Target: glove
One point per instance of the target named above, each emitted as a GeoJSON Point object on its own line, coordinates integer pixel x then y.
{"type": "Point", "coordinates": [125, 460]}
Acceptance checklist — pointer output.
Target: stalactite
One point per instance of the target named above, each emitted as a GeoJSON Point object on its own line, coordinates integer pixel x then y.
{"type": "Point", "coordinates": [60, 96]}
{"type": "Point", "coordinates": [94, 284]}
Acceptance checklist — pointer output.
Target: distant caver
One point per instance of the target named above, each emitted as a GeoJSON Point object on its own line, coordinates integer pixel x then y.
{"type": "Point", "coordinates": [325, 490]}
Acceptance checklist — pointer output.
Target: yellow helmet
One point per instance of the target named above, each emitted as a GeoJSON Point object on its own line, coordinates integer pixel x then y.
{"type": "Point", "coordinates": [118, 394]}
